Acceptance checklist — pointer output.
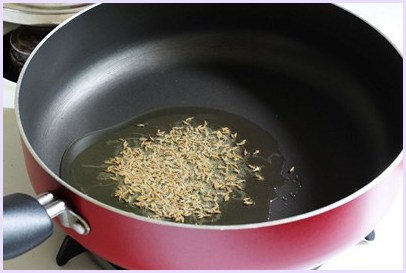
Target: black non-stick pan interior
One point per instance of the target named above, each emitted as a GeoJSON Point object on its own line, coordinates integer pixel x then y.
{"type": "Point", "coordinates": [323, 83]}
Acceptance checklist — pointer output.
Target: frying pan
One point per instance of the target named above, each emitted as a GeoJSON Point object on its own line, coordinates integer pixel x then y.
{"type": "Point", "coordinates": [323, 83]}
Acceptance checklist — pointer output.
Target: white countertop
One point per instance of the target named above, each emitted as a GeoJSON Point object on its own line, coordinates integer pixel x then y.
{"type": "Point", "coordinates": [385, 252]}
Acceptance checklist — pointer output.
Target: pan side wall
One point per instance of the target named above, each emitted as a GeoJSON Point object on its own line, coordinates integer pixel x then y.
{"type": "Point", "coordinates": [302, 244]}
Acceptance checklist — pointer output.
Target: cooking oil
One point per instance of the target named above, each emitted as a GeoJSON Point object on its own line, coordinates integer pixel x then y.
{"type": "Point", "coordinates": [83, 165]}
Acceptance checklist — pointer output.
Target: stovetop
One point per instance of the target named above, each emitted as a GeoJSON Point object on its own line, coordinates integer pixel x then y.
{"type": "Point", "coordinates": [385, 252]}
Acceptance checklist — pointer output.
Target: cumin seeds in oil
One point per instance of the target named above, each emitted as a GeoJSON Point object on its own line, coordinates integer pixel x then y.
{"type": "Point", "coordinates": [194, 165]}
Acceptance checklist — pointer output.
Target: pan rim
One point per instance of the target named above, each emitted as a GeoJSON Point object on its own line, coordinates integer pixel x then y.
{"type": "Point", "coordinates": [379, 179]}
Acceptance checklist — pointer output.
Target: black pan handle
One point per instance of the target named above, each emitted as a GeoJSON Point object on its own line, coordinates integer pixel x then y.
{"type": "Point", "coordinates": [27, 221]}
{"type": "Point", "coordinates": [26, 224]}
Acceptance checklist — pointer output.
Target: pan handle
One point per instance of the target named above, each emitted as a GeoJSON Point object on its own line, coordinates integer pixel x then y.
{"type": "Point", "coordinates": [27, 221]}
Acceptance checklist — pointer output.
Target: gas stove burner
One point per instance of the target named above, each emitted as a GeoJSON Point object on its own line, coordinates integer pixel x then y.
{"type": "Point", "coordinates": [22, 41]}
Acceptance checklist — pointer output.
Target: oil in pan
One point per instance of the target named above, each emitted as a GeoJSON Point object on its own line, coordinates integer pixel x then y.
{"type": "Point", "coordinates": [85, 164]}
